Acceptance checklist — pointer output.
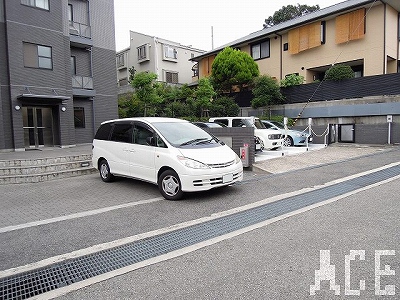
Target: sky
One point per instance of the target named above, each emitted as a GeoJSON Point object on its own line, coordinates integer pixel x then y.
{"type": "Point", "coordinates": [201, 23]}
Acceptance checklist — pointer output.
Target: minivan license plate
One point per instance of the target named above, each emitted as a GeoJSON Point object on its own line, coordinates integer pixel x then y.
{"type": "Point", "coordinates": [227, 178]}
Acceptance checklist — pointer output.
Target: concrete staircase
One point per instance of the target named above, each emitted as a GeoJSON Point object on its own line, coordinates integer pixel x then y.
{"type": "Point", "coordinates": [43, 169]}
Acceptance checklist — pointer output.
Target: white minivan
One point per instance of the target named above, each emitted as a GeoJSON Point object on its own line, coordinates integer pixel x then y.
{"type": "Point", "coordinates": [175, 154]}
{"type": "Point", "coordinates": [270, 139]}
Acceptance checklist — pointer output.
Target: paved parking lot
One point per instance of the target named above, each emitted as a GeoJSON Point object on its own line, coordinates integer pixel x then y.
{"type": "Point", "coordinates": [293, 158]}
{"type": "Point", "coordinates": [42, 222]}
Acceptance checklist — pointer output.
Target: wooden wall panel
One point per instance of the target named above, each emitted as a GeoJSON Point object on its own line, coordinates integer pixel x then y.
{"type": "Point", "coordinates": [342, 29]}
{"type": "Point", "coordinates": [350, 26]}
{"type": "Point", "coordinates": [293, 37]}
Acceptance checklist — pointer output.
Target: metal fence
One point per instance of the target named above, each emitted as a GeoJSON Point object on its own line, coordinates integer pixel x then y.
{"type": "Point", "coordinates": [379, 85]}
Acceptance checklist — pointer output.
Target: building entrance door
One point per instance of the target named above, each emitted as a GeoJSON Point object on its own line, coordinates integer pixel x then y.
{"type": "Point", "coordinates": [38, 127]}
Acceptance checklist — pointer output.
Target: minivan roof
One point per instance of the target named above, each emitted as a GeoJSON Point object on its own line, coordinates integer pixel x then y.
{"type": "Point", "coordinates": [148, 120]}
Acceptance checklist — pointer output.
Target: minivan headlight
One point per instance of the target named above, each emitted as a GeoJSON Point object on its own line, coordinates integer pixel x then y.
{"type": "Point", "coordinates": [191, 163]}
{"type": "Point", "coordinates": [237, 159]}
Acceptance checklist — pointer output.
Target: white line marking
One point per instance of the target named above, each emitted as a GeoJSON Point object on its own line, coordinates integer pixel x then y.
{"type": "Point", "coordinates": [77, 215]}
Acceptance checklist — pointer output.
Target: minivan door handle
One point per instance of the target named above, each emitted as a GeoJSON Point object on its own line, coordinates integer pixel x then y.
{"type": "Point", "coordinates": [128, 149]}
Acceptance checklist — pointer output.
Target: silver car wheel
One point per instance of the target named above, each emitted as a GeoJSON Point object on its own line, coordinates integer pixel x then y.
{"type": "Point", "coordinates": [170, 185]}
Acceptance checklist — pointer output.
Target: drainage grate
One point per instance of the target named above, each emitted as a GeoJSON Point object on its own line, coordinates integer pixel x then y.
{"type": "Point", "coordinates": [39, 281]}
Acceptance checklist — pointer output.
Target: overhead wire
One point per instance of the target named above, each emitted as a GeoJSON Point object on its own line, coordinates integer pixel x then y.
{"type": "Point", "coordinates": [335, 61]}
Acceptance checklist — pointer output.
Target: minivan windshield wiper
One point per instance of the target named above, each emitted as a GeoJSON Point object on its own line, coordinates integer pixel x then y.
{"type": "Point", "coordinates": [190, 142]}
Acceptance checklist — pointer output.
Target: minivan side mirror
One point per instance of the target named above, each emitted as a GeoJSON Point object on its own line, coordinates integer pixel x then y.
{"type": "Point", "coordinates": [150, 141]}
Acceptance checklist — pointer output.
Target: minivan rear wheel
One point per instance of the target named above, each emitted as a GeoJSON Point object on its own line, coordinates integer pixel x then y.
{"type": "Point", "coordinates": [104, 170]}
{"type": "Point", "coordinates": [169, 185]}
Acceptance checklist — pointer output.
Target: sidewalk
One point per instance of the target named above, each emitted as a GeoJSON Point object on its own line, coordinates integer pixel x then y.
{"type": "Point", "coordinates": [47, 152]}
{"type": "Point", "coordinates": [299, 158]}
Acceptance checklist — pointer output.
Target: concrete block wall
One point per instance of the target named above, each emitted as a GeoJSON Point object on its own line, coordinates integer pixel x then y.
{"type": "Point", "coordinates": [239, 137]}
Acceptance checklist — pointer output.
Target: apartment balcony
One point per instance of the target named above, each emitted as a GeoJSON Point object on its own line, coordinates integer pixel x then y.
{"type": "Point", "coordinates": [80, 35]}
{"type": "Point", "coordinates": [82, 86]}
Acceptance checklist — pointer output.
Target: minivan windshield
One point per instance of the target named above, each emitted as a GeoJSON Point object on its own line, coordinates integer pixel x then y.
{"type": "Point", "coordinates": [258, 124]}
{"type": "Point", "coordinates": [184, 134]}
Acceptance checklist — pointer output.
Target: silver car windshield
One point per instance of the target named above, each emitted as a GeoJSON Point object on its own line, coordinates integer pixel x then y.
{"type": "Point", "coordinates": [279, 125]}
{"type": "Point", "coordinates": [183, 133]}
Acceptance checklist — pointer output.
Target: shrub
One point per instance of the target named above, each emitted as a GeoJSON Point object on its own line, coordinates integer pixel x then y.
{"type": "Point", "coordinates": [292, 79]}
{"type": "Point", "coordinates": [339, 72]}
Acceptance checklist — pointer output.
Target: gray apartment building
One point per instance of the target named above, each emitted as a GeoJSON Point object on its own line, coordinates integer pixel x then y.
{"type": "Point", "coordinates": [57, 72]}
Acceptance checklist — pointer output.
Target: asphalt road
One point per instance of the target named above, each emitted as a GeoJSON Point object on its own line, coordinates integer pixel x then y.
{"type": "Point", "coordinates": [275, 260]}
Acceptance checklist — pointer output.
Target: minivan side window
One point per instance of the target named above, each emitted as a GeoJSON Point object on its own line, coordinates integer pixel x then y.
{"type": "Point", "coordinates": [122, 133]}
{"type": "Point", "coordinates": [103, 133]}
{"type": "Point", "coordinates": [237, 123]}
{"type": "Point", "coordinates": [223, 121]}
{"type": "Point", "coordinates": [141, 134]}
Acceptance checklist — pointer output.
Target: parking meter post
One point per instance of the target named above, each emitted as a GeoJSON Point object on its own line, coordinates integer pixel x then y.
{"type": "Point", "coordinates": [389, 119]}
{"type": "Point", "coordinates": [309, 130]}
{"type": "Point", "coordinates": [244, 155]}
{"type": "Point", "coordinates": [285, 121]}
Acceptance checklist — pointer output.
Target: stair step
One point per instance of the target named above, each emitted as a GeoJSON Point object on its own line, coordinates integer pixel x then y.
{"type": "Point", "coordinates": [44, 169]}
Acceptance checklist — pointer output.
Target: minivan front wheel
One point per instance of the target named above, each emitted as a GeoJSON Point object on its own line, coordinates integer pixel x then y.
{"type": "Point", "coordinates": [169, 185]}
{"type": "Point", "coordinates": [104, 170]}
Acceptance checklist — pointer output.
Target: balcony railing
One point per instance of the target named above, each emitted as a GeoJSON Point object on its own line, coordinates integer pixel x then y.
{"type": "Point", "coordinates": [79, 29]}
{"type": "Point", "coordinates": [82, 82]}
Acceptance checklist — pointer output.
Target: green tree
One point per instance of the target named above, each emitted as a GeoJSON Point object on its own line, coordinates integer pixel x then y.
{"type": "Point", "coordinates": [203, 95]}
{"type": "Point", "coordinates": [339, 72]}
{"type": "Point", "coordinates": [145, 90]}
{"type": "Point", "coordinates": [232, 67]}
{"type": "Point", "coordinates": [287, 13]}
{"type": "Point", "coordinates": [224, 107]}
{"type": "Point", "coordinates": [266, 92]}
{"type": "Point", "coordinates": [129, 106]}
{"type": "Point", "coordinates": [292, 79]}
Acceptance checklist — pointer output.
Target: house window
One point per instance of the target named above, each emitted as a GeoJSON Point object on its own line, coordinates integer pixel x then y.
{"type": "Point", "coordinates": [79, 117]}
{"type": "Point", "coordinates": [171, 77]}
{"type": "Point", "coordinates": [142, 52]}
{"type": "Point", "coordinates": [37, 56]}
{"type": "Point", "coordinates": [170, 52]}
{"type": "Point", "coordinates": [120, 60]}
{"type": "Point", "coordinates": [43, 4]}
{"type": "Point", "coordinates": [73, 65]}
{"type": "Point", "coordinates": [285, 46]}
{"type": "Point", "coordinates": [260, 50]}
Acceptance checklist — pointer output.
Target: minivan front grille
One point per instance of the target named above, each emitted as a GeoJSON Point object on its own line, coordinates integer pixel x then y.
{"type": "Point", "coordinates": [214, 181]}
{"type": "Point", "coordinates": [274, 136]}
{"type": "Point", "coordinates": [221, 165]}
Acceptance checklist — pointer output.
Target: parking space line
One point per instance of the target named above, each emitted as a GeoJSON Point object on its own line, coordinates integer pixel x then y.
{"type": "Point", "coordinates": [78, 215]}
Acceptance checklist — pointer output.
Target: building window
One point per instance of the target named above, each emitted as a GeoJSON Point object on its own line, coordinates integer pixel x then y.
{"type": "Point", "coordinates": [70, 13]}
{"type": "Point", "coordinates": [285, 46]}
{"type": "Point", "coordinates": [79, 117]}
{"type": "Point", "coordinates": [195, 70]}
{"type": "Point", "coordinates": [171, 77]}
{"type": "Point", "coordinates": [43, 4]}
{"type": "Point", "coordinates": [37, 56]}
{"type": "Point", "coordinates": [123, 81]}
{"type": "Point", "coordinates": [170, 52]}
{"type": "Point", "coordinates": [260, 50]}
{"type": "Point", "coordinates": [73, 65]}
{"type": "Point", "coordinates": [120, 60]}
{"type": "Point", "coordinates": [142, 52]}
